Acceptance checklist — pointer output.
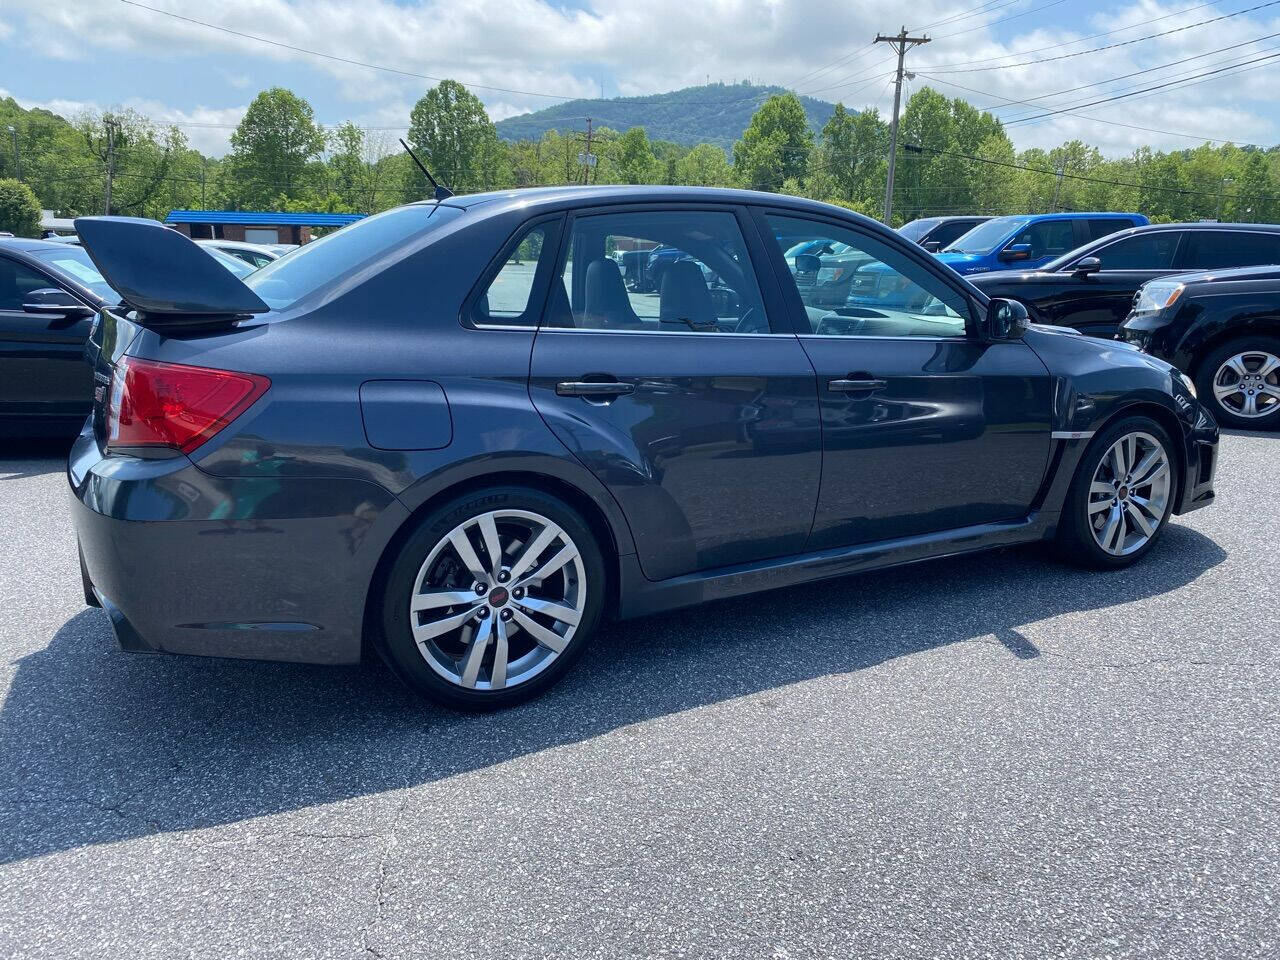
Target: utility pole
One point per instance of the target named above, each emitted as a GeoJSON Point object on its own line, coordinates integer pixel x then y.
{"type": "Point", "coordinates": [586, 157]}
{"type": "Point", "coordinates": [1221, 191]}
{"type": "Point", "coordinates": [1057, 187]}
{"type": "Point", "coordinates": [901, 43]}
{"type": "Point", "coordinates": [17, 167]}
{"type": "Point", "coordinates": [111, 162]}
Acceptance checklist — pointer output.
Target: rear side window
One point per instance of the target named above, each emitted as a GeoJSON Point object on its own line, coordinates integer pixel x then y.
{"type": "Point", "coordinates": [947, 233]}
{"type": "Point", "coordinates": [1151, 251]}
{"type": "Point", "coordinates": [287, 280]}
{"type": "Point", "coordinates": [1212, 249]}
{"type": "Point", "coordinates": [16, 281]}
{"type": "Point", "coordinates": [508, 298]}
{"type": "Point", "coordinates": [1106, 227]}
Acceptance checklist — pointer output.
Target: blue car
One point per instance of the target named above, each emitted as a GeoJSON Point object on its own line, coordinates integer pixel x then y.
{"type": "Point", "coordinates": [404, 440]}
{"type": "Point", "coordinates": [1032, 240]}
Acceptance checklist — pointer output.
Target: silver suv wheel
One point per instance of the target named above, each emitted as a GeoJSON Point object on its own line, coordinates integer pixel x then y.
{"type": "Point", "coordinates": [498, 599]}
{"type": "Point", "coordinates": [1248, 384]}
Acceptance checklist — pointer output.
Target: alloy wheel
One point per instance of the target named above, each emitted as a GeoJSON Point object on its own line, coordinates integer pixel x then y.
{"type": "Point", "coordinates": [1129, 493]}
{"type": "Point", "coordinates": [498, 599]}
{"type": "Point", "coordinates": [1248, 384]}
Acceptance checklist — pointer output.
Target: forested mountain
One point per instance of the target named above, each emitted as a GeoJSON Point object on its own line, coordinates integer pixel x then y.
{"type": "Point", "coordinates": [716, 113]}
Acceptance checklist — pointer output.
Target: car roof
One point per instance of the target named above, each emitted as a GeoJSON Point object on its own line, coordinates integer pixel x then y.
{"type": "Point", "coordinates": [1262, 272]}
{"type": "Point", "coordinates": [582, 196]}
{"type": "Point", "coordinates": [25, 244]}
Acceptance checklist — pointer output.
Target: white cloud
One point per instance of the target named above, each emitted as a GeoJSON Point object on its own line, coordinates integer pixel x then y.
{"type": "Point", "coordinates": [659, 45]}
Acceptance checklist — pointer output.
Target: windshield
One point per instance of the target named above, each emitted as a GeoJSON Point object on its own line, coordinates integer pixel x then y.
{"type": "Point", "coordinates": [287, 280]}
{"type": "Point", "coordinates": [237, 266]}
{"type": "Point", "coordinates": [917, 228]}
{"type": "Point", "coordinates": [74, 262]}
{"type": "Point", "coordinates": [987, 236]}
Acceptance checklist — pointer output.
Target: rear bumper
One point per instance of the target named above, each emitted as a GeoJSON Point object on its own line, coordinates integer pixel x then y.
{"type": "Point", "coordinates": [260, 568]}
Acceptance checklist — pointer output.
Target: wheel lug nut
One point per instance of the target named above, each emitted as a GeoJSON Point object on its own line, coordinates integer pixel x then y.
{"type": "Point", "coordinates": [481, 589]}
{"type": "Point", "coordinates": [518, 593]}
{"type": "Point", "coordinates": [506, 614]}
{"type": "Point", "coordinates": [482, 613]}
{"type": "Point", "coordinates": [504, 576]}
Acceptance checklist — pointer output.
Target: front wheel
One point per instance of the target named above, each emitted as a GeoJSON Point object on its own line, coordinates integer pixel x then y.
{"type": "Point", "coordinates": [1121, 497]}
{"type": "Point", "coordinates": [1240, 382]}
{"type": "Point", "coordinates": [492, 598]}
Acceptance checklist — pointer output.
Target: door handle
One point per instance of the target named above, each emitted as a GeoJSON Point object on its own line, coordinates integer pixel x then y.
{"type": "Point", "coordinates": [856, 386]}
{"type": "Point", "coordinates": [594, 388]}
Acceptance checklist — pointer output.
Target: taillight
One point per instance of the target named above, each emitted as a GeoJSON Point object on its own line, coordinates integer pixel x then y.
{"type": "Point", "coordinates": [155, 404]}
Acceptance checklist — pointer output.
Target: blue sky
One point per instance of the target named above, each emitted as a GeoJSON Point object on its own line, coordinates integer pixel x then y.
{"type": "Point", "coordinates": [92, 55]}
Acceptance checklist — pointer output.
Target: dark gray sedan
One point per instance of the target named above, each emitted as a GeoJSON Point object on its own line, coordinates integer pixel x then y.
{"type": "Point", "coordinates": [406, 438]}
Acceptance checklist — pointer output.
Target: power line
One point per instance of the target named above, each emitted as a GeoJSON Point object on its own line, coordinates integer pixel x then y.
{"type": "Point", "coordinates": [1067, 43]}
{"type": "Point", "coordinates": [1112, 46]}
{"type": "Point", "coordinates": [1012, 16]}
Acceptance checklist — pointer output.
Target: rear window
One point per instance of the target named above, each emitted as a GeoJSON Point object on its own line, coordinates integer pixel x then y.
{"type": "Point", "coordinates": [1214, 249]}
{"type": "Point", "coordinates": [1104, 226]}
{"type": "Point", "coordinates": [917, 228]}
{"type": "Point", "coordinates": [289, 279]}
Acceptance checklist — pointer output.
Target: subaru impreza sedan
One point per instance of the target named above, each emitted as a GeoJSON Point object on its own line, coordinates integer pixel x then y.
{"type": "Point", "coordinates": [451, 435]}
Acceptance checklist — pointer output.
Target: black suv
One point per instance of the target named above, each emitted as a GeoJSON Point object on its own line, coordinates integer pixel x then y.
{"type": "Point", "coordinates": [1092, 287]}
{"type": "Point", "coordinates": [1223, 328]}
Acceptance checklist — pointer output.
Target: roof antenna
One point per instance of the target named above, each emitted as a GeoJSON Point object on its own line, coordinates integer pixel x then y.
{"type": "Point", "coordinates": [442, 193]}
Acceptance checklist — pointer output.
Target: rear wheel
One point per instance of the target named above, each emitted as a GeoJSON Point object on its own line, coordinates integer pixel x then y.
{"type": "Point", "coordinates": [492, 598]}
{"type": "Point", "coordinates": [1121, 497]}
{"type": "Point", "coordinates": [1240, 382]}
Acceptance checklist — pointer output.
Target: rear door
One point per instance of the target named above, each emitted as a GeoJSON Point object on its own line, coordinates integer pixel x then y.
{"type": "Point", "coordinates": [42, 370]}
{"type": "Point", "coordinates": [693, 403]}
{"type": "Point", "coordinates": [925, 427]}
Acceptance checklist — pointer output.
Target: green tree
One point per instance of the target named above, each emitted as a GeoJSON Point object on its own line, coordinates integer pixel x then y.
{"type": "Point", "coordinates": [630, 159]}
{"type": "Point", "coordinates": [775, 146]}
{"type": "Point", "coordinates": [272, 150]}
{"type": "Point", "coordinates": [455, 137]}
{"type": "Point", "coordinates": [847, 166]}
{"type": "Point", "coordinates": [19, 209]}
{"type": "Point", "coordinates": [704, 166]}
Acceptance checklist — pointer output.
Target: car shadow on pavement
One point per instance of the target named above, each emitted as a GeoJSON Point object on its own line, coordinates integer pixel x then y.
{"type": "Point", "coordinates": [99, 746]}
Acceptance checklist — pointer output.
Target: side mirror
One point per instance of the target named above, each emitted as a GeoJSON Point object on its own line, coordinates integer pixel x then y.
{"type": "Point", "coordinates": [1015, 252]}
{"type": "Point", "coordinates": [933, 246]}
{"type": "Point", "coordinates": [1005, 320]}
{"type": "Point", "coordinates": [52, 301]}
{"type": "Point", "coordinates": [808, 263]}
{"type": "Point", "coordinates": [1086, 266]}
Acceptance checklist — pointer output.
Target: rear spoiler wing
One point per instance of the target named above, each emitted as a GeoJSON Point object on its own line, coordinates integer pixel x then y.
{"type": "Point", "coordinates": [163, 275]}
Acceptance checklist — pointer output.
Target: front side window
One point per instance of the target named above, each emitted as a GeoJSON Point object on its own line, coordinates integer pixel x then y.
{"type": "Point", "coordinates": [1048, 238]}
{"type": "Point", "coordinates": [1150, 251]}
{"type": "Point", "coordinates": [507, 300]}
{"type": "Point", "coordinates": [1218, 249]}
{"type": "Point", "coordinates": [856, 285]}
{"type": "Point", "coordinates": [666, 271]}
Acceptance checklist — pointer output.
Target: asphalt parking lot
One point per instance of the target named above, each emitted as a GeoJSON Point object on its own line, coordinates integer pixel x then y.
{"type": "Point", "coordinates": [994, 756]}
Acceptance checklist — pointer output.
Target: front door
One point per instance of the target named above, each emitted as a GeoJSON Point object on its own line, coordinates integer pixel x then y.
{"type": "Point", "coordinates": [926, 428]}
{"type": "Point", "coordinates": [692, 402]}
{"type": "Point", "coordinates": [1098, 303]}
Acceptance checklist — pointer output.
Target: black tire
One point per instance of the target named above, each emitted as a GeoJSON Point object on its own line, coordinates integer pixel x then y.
{"type": "Point", "coordinates": [1076, 542]}
{"type": "Point", "coordinates": [1207, 370]}
{"type": "Point", "coordinates": [398, 644]}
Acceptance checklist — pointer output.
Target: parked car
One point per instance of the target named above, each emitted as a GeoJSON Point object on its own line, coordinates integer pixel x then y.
{"type": "Point", "coordinates": [327, 463]}
{"type": "Point", "coordinates": [235, 265]}
{"type": "Point", "coordinates": [825, 270]}
{"type": "Point", "coordinates": [935, 233]}
{"type": "Point", "coordinates": [1030, 241]}
{"type": "Point", "coordinates": [254, 254]}
{"type": "Point", "coordinates": [49, 295]}
{"type": "Point", "coordinates": [1223, 328]}
{"type": "Point", "coordinates": [1092, 288]}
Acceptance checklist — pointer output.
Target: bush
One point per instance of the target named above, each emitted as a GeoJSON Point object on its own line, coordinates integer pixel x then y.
{"type": "Point", "coordinates": [19, 209]}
